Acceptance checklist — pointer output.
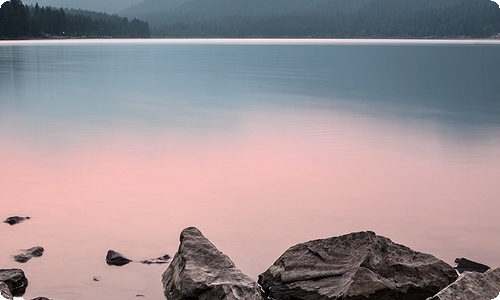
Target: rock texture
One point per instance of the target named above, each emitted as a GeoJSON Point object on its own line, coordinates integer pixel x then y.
{"type": "Point", "coordinates": [200, 271]}
{"type": "Point", "coordinates": [5, 291]}
{"type": "Point", "coordinates": [359, 265]}
{"type": "Point", "coordinates": [15, 280]}
{"type": "Point", "coordinates": [465, 265]}
{"type": "Point", "coordinates": [472, 286]}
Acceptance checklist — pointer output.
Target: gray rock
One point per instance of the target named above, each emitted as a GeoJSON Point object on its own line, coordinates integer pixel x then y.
{"type": "Point", "coordinates": [22, 258]}
{"type": "Point", "coordinates": [465, 265]}
{"type": "Point", "coordinates": [359, 265]}
{"type": "Point", "coordinates": [5, 291]}
{"type": "Point", "coordinates": [159, 260]}
{"type": "Point", "coordinates": [200, 271]}
{"type": "Point", "coordinates": [28, 254]}
{"type": "Point", "coordinates": [15, 280]}
{"type": "Point", "coordinates": [472, 286]}
{"type": "Point", "coordinates": [15, 220]}
{"type": "Point", "coordinates": [114, 258]}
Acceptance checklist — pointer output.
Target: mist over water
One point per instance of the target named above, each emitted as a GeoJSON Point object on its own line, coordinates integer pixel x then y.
{"type": "Point", "coordinates": [261, 145]}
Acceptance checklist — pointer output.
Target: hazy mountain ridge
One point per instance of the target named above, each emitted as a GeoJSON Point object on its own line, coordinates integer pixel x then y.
{"type": "Point", "coordinates": [320, 18]}
{"type": "Point", "coordinates": [209, 9]}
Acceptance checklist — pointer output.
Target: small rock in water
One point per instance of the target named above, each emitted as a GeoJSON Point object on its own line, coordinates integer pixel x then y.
{"type": "Point", "coordinates": [463, 265]}
{"type": "Point", "coordinates": [15, 220]}
{"type": "Point", "coordinates": [28, 254]}
{"type": "Point", "coordinates": [114, 258]}
{"type": "Point", "coordinates": [36, 251]}
{"type": "Point", "coordinates": [41, 298]}
{"type": "Point", "coordinates": [95, 278]}
{"type": "Point", "coordinates": [22, 258]}
{"type": "Point", "coordinates": [159, 260]}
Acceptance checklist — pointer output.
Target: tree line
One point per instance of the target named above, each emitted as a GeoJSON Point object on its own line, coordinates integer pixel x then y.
{"type": "Point", "coordinates": [321, 18]}
{"type": "Point", "coordinates": [22, 21]}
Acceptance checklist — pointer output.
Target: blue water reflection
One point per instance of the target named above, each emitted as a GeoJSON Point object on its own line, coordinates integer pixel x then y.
{"type": "Point", "coordinates": [175, 84]}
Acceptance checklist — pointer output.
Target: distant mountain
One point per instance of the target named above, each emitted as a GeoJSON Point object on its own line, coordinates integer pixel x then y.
{"type": "Point", "coordinates": [108, 6]}
{"type": "Point", "coordinates": [167, 11]}
{"type": "Point", "coordinates": [320, 18]}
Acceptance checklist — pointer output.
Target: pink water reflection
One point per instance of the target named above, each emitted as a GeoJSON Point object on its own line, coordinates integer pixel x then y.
{"type": "Point", "coordinates": [275, 182]}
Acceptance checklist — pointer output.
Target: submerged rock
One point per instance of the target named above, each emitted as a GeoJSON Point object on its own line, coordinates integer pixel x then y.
{"type": "Point", "coordinates": [28, 254]}
{"type": "Point", "coordinates": [15, 280]}
{"type": "Point", "coordinates": [159, 260]}
{"type": "Point", "coordinates": [472, 286]}
{"type": "Point", "coordinates": [359, 265]}
{"type": "Point", "coordinates": [36, 251]}
{"type": "Point", "coordinates": [463, 265]}
{"type": "Point", "coordinates": [114, 258]}
{"type": "Point", "coordinates": [15, 220]}
{"type": "Point", "coordinates": [200, 271]}
{"type": "Point", "coordinates": [22, 258]}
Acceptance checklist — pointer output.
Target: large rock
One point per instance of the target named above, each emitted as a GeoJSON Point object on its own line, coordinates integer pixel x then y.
{"type": "Point", "coordinates": [15, 280]}
{"type": "Point", "coordinates": [472, 286]}
{"type": "Point", "coordinates": [200, 271]}
{"type": "Point", "coordinates": [359, 265]}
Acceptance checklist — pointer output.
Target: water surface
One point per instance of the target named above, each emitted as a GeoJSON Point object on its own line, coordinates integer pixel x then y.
{"type": "Point", "coordinates": [261, 144]}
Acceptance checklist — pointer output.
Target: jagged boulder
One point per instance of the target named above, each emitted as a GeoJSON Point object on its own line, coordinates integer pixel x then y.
{"type": "Point", "coordinates": [472, 286]}
{"type": "Point", "coordinates": [200, 271]}
{"type": "Point", "coordinates": [15, 280]}
{"type": "Point", "coordinates": [359, 265]}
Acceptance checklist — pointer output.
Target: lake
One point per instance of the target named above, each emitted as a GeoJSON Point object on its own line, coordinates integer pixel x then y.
{"type": "Point", "coordinates": [261, 144]}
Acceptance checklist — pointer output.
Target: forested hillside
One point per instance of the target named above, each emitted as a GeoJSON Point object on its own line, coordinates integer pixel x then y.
{"type": "Point", "coordinates": [108, 6]}
{"type": "Point", "coordinates": [22, 21]}
{"type": "Point", "coordinates": [321, 18]}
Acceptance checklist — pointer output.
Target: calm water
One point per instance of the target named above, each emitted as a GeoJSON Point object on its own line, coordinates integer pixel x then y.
{"type": "Point", "coordinates": [260, 144]}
